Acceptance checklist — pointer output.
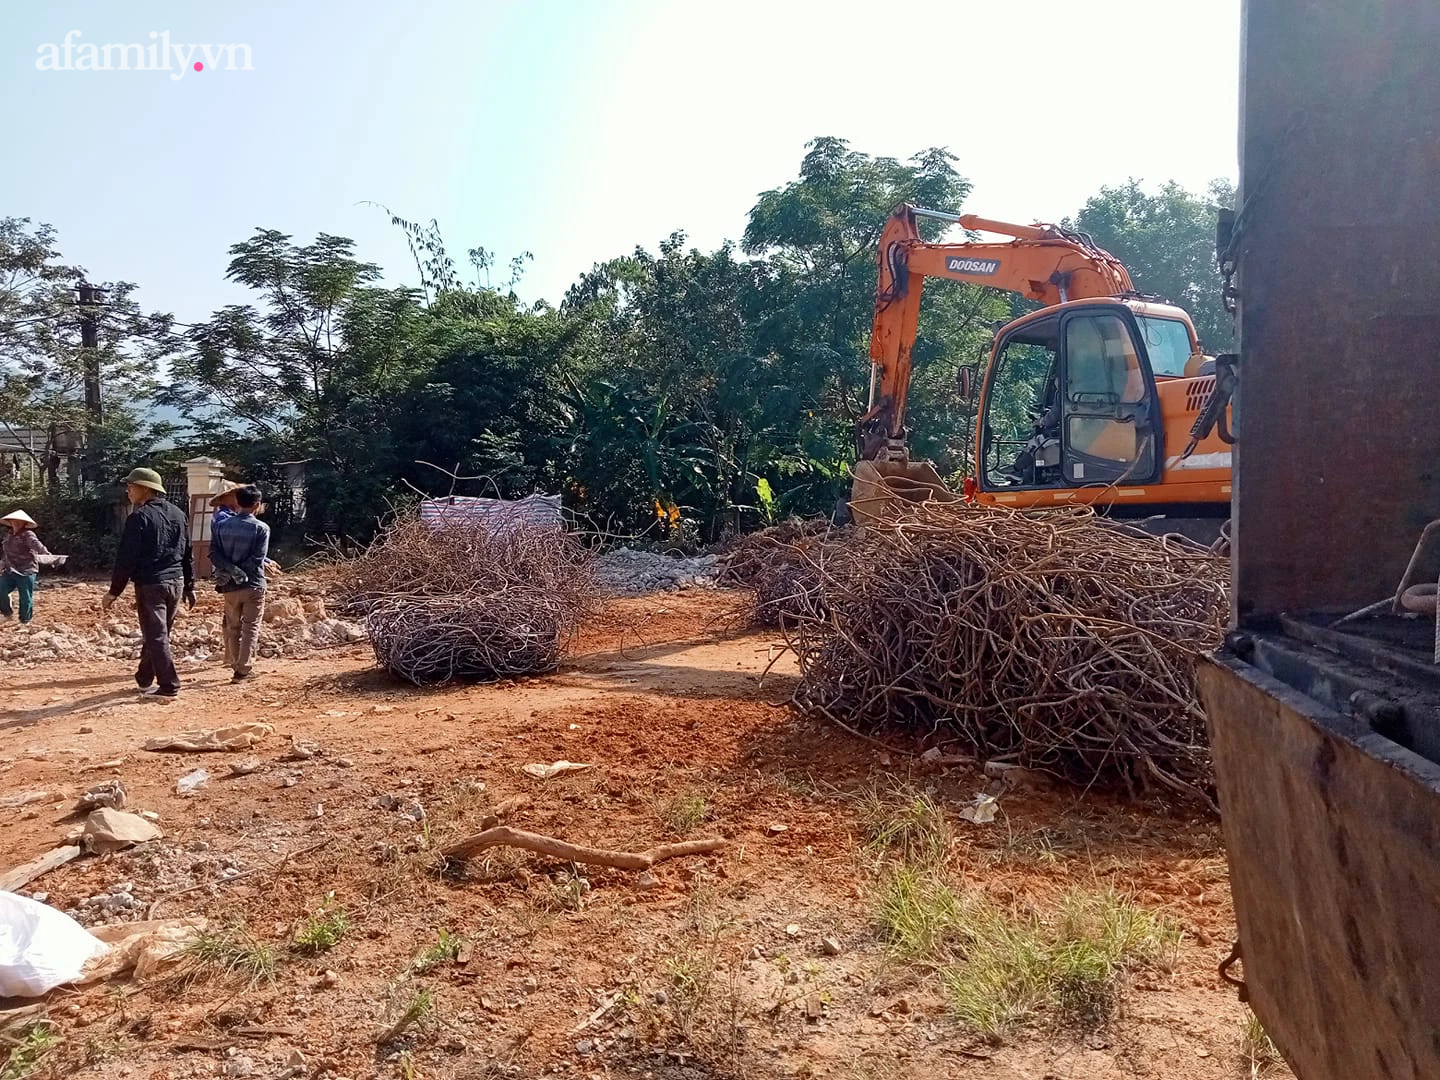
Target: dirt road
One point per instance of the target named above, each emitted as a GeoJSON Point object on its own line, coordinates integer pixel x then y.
{"type": "Point", "coordinates": [769, 958]}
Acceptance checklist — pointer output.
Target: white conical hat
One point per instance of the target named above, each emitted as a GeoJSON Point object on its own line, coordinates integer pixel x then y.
{"type": "Point", "coordinates": [19, 515]}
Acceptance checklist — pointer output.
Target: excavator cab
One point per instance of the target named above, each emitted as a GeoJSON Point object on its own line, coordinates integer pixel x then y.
{"type": "Point", "coordinates": [1069, 402]}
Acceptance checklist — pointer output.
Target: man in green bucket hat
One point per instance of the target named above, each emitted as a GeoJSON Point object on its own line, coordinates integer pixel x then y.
{"type": "Point", "coordinates": [154, 554]}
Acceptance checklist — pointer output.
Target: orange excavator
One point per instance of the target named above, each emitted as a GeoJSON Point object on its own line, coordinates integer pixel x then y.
{"type": "Point", "coordinates": [1101, 396]}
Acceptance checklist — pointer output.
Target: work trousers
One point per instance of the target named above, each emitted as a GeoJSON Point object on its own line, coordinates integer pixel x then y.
{"type": "Point", "coordinates": [24, 584]}
{"type": "Point", "coordinates": [244, 609]}
{"type": "Point", "coordinates": [155, 606]}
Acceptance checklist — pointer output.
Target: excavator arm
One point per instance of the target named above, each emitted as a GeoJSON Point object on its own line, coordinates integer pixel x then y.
{"type": "Point", "coordinates": [1041, 262]}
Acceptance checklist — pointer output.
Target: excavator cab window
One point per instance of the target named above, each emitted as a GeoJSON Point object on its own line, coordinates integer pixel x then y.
{"type": "Point", "coordinates": [1022, 410]}
{"type": "Point", "coordinates": [1108, 402]}
{"type": "Point", "coordinates": [1167, 341]}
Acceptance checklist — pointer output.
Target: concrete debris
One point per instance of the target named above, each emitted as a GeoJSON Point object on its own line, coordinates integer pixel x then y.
{"type": "Point", "coordinates": [1016, 776]}
{"type": "Point", "coordinates": [244, 767]}
{"type": "Point", "coordinates": [24, 798]}
{"type": "Point", "coordinates": [302, 750]}
{"type": "Point", "coordinates": [293, 626]}
{"type": "Point", "coordinates": [113, 830]}
{"type": "Point", "coordinates": [628, 572]}
{"type": "Point", "coordinates": [108, 793]}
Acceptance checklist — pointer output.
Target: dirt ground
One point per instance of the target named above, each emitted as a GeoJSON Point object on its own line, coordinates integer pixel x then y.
{"type": "Point", "coordinates": [763, 959]}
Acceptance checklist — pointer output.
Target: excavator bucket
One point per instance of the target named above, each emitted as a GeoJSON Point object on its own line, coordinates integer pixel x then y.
{"type": "Point", "coordinates": [884, 489]}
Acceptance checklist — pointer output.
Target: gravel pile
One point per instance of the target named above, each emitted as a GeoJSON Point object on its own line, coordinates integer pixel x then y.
{"type": "Point", "coordinates": [296, 621]}
{"type": "Point", "coordinates": [627, 572]}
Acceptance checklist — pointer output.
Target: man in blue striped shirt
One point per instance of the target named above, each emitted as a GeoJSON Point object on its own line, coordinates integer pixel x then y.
{"type": "Point", "coordinates": [238, 548]}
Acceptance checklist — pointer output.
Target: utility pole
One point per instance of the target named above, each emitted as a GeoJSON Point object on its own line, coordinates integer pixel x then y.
{"type": "Point", "coordinates": [90, 300]}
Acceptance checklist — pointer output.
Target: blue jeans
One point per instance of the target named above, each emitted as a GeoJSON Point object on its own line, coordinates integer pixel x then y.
{"type": "Point", "coordinates": [24, 584]}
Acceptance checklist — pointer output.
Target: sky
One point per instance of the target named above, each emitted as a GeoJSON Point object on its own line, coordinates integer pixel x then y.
{"type": "Point", "coordinates": [576, 130]}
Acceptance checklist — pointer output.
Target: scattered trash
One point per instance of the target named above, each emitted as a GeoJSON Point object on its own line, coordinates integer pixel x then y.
{"type": "Point", "coordinates": [113, 830]}
{"type": "Point", "coordinates": [547, 772]}
{"type": "Point", "coordinates": [191, 782]}
{"type": "Point", "coordinates": [142, 948]}
{"type": "Point", "coordinates": [234, 737]}
{"type": "Point", "coordinates": [40, 948]}
{"type": "Point", "coordinates": [110, 793]}
{"type": "Point", "coordinates": [982, 810]}
{"type": "Point", "coordinates": [149, 815]}
{"type": "Point", "coordinates": [775, 828]}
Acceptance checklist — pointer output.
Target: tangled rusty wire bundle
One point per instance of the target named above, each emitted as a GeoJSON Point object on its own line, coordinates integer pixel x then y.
{"type": "Point", "coordinates": [776, 564]}
{"type": "Point", "coordinates": [461, 602]}
{"type": "Point", "coordinates": [1050, 639]}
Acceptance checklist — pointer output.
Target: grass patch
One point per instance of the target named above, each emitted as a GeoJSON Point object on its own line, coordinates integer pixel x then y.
{"type": "Point", "coordinates": [908, 823]}
{"type": "Point", "coordinates": [229, 952]}
{"type": "Point", "coordinates": [322, 930]}
{"type": "Point", "coordinates": [445, 950]}
{"type": "Point", "coordinates": [918, 913]}
{"type": "Point", "coordinates": [566, 891]}
{"type": "Point", "coordinates": [1003, 968]}
{"type": "Point", "coordinates": [1258, 1053]}
{"type": "Point", "coordinates": [419, 1009]}
{"type": "Point", "coordinates": [684, 812]}
{"type": "Point", "coordinates": [30, 1050]}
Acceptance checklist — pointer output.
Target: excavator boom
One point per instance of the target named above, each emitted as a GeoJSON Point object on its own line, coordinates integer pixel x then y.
{"type": "Point", "coordinates": [1042, 262]}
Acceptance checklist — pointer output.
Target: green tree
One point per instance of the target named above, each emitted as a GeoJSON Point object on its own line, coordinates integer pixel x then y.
{"type": "Point", "coordinates": [820, 233]}
{"type": "Point", "coordinates": [1167, 241]}
{"type": "Point", "coordinates": [311, 372]}
{"type": "Point", "coordinates": [43, 363]}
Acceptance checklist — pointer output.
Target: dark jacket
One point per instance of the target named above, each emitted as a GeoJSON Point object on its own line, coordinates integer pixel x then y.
{"type": "Point", "coordinates": [155, 547]}
{"type": "Point", "coordinates": [242, 542]}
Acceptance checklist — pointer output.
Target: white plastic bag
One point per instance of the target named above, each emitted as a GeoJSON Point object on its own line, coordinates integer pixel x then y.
{"type": "Point", "coordinates": [40, 948]}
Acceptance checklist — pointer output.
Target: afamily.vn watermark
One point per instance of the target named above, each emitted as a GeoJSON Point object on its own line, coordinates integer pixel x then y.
{"type": "Point", "coordinates": [157, 56]}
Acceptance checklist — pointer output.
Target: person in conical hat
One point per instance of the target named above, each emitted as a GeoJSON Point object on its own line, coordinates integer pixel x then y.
{"type": "Point", "coordinates": [20, 553]}
{"type": "Point", "coordinates": [224, 503]}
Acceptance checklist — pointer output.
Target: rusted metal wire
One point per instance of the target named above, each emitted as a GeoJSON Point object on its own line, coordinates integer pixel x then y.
{"type": "Point", "coordinates": [1050, 639]}
{"type": "Point", "coordinates": [463, 602]}
{"type": "Point", "coordinates": [774, 564]}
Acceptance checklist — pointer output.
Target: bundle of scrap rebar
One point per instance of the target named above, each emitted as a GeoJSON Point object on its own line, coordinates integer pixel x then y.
{"type": "Point", "coordinates": [1052, 639]}
{"type": "Point", "coordinates": [776, 565]}
{"type": "Point", "coordinates": [463, 602]}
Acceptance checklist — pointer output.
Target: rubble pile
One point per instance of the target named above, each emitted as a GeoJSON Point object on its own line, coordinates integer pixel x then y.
{"type": "Point", "coordinates": [296, 621]}
{"type": "Point", "coordinates": [627, 572]}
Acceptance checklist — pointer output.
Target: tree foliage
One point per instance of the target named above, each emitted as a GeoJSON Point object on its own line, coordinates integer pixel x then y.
{"type": "Point", "coordinates": [674, 391]}
{"type": "Point", "coordinates": [43, 362]}
{"type": "Point", "coordinates": [1167, 241]}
